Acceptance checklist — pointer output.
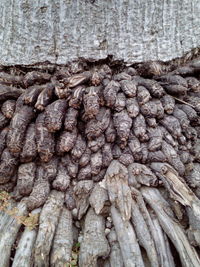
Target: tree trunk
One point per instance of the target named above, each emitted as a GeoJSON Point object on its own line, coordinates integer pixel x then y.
{"type": "Point", "coordinates": [100, 133]}
{"type": "Point", "coordinates": [131, 31]}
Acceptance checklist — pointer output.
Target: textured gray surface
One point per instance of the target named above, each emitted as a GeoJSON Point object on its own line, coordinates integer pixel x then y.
{"type": "Point", "coordinates": [59, 31]}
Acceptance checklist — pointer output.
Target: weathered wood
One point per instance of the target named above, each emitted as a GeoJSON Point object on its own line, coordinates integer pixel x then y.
{"type": "Point", "coordinates": [116, 180]}
{"type": "Point", "coordinates": [4, 216]}
{"type": "Point", "coordinates": [98, 198]}
{"type": "Point", "coordinates": [179, 191]}
{"type": "Point", "coordinates": [9, 234]}
{"type": "Point", "coordinates": [187, 253]}
{"type": "Point", "coordinates": [82, 192]}
{"type": "Point", "coordinates": [47, 225]}
{"type": "Point", "coordinates": [127, 240]}
{"type": "Point", "coordinates": [143, 234]}
{"type": "Point", "coordinates": [142, 174]}
{"type": "Point", "coordinates": [24, 251]}
{"type": "Point", "coordinates": [161, 243]}
{"type": "Point", "coordinates": [63, 240]}
{"type": "Point", "coordinates": [115, 252]}
{"type": "Point", "coordinates": [94, 244]}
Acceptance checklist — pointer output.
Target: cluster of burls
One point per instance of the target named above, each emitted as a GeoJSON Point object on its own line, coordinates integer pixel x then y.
{"type": "Point", "coordinates": [109, 154]}
{"type": "Point", "coordinates": [61, 128]}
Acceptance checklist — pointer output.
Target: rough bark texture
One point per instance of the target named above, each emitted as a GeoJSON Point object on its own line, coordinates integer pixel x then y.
{"type": "Point", "coordinates": [61, 31]}
{"type": "Point", "coordinates": [116, 169]}
{"type": "Point", "coordinates": [9, 234]}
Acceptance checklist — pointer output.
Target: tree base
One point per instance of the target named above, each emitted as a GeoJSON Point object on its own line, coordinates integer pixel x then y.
{"type": "Point", "coordinates": [105, 157]}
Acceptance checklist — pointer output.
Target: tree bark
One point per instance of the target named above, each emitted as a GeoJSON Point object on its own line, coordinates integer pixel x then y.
{"type": "Point", "coordinates": [132, 31]}
{"type": "Point", "coordinates": [104, 149]}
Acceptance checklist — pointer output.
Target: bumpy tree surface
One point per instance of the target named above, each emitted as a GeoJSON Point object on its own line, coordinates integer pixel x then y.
{"type": "Point", "coordinates": [103, 156]}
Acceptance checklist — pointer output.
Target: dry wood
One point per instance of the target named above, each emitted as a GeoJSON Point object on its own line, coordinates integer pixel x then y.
{"type": "Point", "coordinates": [29, 150]}
{"type": "Point", "coordinates": [142, 174]}
{"type": "Point", "coordinates": [24, 251]}
{"type": "Point", "coordinates": [95, 127]}
{"type": "Point", "coordinates": [162, 244]}
{"type": "Point", "coordinates": [48, 222]}
{"type": "Point", "coordinates": [139, 128]}
{"type": "Point", "coordinates": [5, 214]}
{"type": "Point", "coordinates": [132, 107]}
{"type": "Point", "coordinates": [96, 162]}
{"type": "Point", "coordinates": [172, 157]}
{"type": "Point", "coordinates": [110, 132]}
{"type": "Point", "coordinates": [155, 138]}
{"type": "Point", "coordinates": [115, 252]}
{"type": "Point", "coordinates": [9, 234]}
{"type": "Point", "coordinates": [66, 141]}
{"type": "Point", "coordinates": [129, 87]}
{"type": "Point", "coordinates": [79, 147]}
{"type": "Point", "coordinates": [99, 199]}
{"type": "Point", "coordinates": [71, 119]}
{"type": "Point", "coordinates": [110, 93]}
{"type": "Point", "coordinates": [71, 165]}
{"type": "Point", "coordinates": [116, 180]}
{"type": "Point", "coordinates": [79, 78]}
{"type": "Point", "coordinates": [160, 240]}
{"type": "Point", "coordinates": [77, 97]}
{"type": "Point", "coordinates": [120, 102]}
{"type": "Point", "coordinates": [172, 228]}
{"type": "Point", "coordinates": [63, 240]}
{"type": "Point", "coordinates": [82, 192]}
{"type": "Point", "coordinates": [180, 192]}
{"type": "Point", "coordinates": [143, 234]}
{"type": "Point", "coordinates": [50, 169]}
{"type": "Point", "coordinates": [94, 244]}
{"type": "Point", "coordinates": [107, 156]}
{"type": "Point", "coordinates": [95, 144]}
{"type": "Point", "coordinates": [122, 123]}
{"type": "Point", "coordinates": [98, 152]}
{"type": "Point", "coordinates": [130, 249]}
{"type": "Point", "coordinates": [126, 157]}
{"type": "Point", "coordinates": [70, 199]}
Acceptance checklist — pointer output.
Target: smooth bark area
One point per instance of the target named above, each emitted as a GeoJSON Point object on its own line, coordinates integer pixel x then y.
{"type": "Point", "coordinates": [60, 31]}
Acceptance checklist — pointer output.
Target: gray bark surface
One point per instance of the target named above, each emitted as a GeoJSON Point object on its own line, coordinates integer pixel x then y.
{"type": "Point", "coordinates": [59, 31]}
